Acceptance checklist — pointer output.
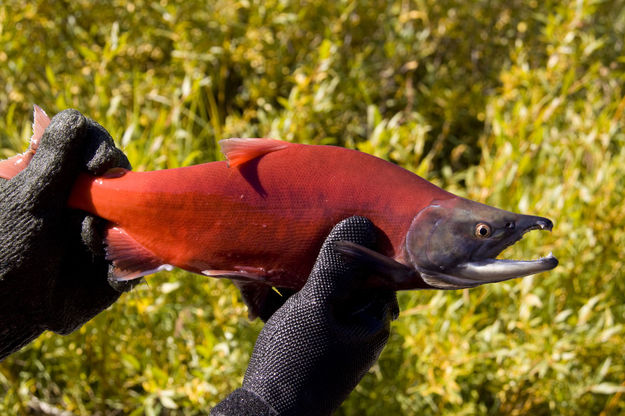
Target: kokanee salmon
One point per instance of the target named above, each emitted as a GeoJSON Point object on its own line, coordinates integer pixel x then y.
{"type": "Point", "coordinates": [260, 218]}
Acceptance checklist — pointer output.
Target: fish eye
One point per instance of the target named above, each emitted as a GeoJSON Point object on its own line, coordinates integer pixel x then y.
{"type": "Point", "coordinates": [482, 230]}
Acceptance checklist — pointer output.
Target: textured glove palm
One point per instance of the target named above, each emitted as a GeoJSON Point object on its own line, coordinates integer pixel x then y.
{"type": "Point", "coordinates": [49, 278]}
{"type": "Point", "coordinates": [315, 349]}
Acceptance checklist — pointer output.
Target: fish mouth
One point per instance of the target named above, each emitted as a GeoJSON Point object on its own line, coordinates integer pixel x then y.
{"type": "Point", "coordinates": [492, 270]}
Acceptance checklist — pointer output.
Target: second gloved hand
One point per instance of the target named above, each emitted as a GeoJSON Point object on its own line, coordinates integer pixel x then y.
{"type": "Point", "coordinates": [316, 348]}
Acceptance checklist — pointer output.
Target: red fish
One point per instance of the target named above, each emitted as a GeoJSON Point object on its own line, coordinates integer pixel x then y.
{"type": "Point", "coordinates": [261, 217]}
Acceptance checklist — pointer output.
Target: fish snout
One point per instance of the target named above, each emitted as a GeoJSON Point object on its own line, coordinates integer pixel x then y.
{"type": "Point", "coordinates": [530, 222]}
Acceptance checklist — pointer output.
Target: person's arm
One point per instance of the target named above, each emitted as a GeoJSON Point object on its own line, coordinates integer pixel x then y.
{"type": "Point", "coordinates": [315, 349]}
{"type": "Point", "coordinates": [53, 275]}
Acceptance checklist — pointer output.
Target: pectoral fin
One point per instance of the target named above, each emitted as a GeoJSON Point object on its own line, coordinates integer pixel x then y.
{"type": "Point", "coordinates": [379, 263]}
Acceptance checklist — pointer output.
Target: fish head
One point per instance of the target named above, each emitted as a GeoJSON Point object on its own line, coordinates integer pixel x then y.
{"type": "Point", "coordinates": [453, 244]}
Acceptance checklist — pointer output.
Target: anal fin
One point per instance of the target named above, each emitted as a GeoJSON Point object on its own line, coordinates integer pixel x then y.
{"type": "Point", "coordinates": [130, 259]}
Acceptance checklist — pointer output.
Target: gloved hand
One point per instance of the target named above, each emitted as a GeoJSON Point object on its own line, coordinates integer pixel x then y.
{"type": "Point", "coordinates": [315, 349]}
{"type": "Point", "coordinates": [49, 278]}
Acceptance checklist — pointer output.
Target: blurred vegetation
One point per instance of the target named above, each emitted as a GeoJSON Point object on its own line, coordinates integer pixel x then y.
{"type": "Point", "coordinates": [518, 104]}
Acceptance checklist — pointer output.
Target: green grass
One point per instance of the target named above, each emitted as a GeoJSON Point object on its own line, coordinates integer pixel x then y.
{"type": "Point", "coordinates": [515, 104]}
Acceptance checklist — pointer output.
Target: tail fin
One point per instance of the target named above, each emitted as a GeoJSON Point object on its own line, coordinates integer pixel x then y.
{"type": "Point", "coordinates": [14, 165]}
{"type": "Point", "coordinates": [40, 122]}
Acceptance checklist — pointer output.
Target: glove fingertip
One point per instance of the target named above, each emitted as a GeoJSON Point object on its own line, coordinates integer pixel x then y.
{"type": "Point", "coordinates": [333, 272]}
{"type": "Point", "coordinates": [51, 172]}
{"type": "Point", "coordinates": [359, 230]}
{"type": "Point", "coordinates": [63, 130]}
{"type": "Point", "coordinates": [101, 153]}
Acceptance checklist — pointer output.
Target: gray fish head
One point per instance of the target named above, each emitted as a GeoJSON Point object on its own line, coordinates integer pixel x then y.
{"type": "Point", "coordinates": [453, 244]}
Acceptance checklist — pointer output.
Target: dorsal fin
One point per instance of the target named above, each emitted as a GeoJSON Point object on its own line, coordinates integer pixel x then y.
{"type": "Point", "coordinates": [239, 151]}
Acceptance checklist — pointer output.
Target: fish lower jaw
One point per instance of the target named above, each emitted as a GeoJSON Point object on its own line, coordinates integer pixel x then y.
{"type": "Point", "coordinates": [472, 274]}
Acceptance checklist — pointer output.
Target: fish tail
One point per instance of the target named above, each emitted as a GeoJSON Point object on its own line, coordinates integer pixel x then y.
{"type": "Point", "coordinates": [14, 165]}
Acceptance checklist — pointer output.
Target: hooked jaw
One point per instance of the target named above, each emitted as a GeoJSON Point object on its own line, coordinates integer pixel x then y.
{"type": "Point", "coordinates": [493, 270]}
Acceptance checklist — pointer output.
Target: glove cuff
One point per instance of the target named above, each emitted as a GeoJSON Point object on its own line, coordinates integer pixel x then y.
{"type": "Point", "coordinates": [242, 402]}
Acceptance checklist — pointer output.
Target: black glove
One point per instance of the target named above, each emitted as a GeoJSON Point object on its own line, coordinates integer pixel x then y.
{"type": "Point", "coordinates": [49, 278]}
{"type": "Point", "coordinates": [315, 349]}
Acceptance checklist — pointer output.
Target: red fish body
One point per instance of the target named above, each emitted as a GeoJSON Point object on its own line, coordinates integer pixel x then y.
{"type": "Point", "coordinates": [266, 217]}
